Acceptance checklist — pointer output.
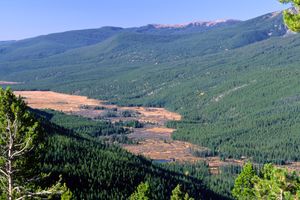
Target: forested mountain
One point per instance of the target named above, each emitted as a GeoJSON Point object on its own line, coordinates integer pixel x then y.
{"type": "Point", "coordinates": [236, 84]}
{"type": "Point", "coordinates": [57, 43]}
{"type": "Point", "coordinates": [111, 49]}
{"type": "Point", "coordinates": [48, 45]}
{"type": "Point", "coordinates": [6, 42]}
{"type": "Point", "coordinates": [93, 169]}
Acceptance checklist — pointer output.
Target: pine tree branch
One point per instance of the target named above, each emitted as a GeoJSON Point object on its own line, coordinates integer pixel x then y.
{"type": "Point", "coordinates": [23, 150]}
{"type": "Point", "coordinates": [36, 178]}
{"type": "Point", "coordinates": [18, 189]}
{"type": "Point", "coordinates": [15, 126]}
{"type": "Point", "coordinates": [40, 194]}
{"type": "Point", "coordinates": [2, 182]}
{"type": "Point", "coordinates": [3, 136]}
{"type": "Point", "coordinates": [4, 173]}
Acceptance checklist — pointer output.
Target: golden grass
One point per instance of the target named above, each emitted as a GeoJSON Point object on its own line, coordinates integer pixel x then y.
{"type": "Point", "coordinates": [55, 101]}
{"type": "Point", "coordinates": [72, 103]}
{"type": "Point", "coordinates": [160, 130]}
{"type": "Point", "coordinates": [164, 150]}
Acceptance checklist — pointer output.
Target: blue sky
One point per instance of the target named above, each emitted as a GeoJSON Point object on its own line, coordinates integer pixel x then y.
{"type": "Point", "coordinates": [27, 18]}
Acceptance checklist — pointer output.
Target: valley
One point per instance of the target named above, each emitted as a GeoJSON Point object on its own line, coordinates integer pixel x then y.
{"type": "Point", "coordinates": [235, 85]}
{"type": "Point", "coordinates": [153, 140]}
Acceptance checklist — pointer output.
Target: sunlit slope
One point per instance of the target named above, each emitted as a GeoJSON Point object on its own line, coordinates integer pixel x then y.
{"type": "Point", "coordinates": [101, 50]}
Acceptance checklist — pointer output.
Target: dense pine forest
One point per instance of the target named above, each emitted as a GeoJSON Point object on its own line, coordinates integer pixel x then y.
{"type": "Point", "coordinates": [94, 169]}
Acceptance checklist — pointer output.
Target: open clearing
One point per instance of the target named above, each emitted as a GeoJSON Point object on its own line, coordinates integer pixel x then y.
{"type": "Point", "coordinates": [154, 140]}
{"type": "Point", "coordinates": [84, 106]}
{"type": "Point", "coordinates": [55, 101]}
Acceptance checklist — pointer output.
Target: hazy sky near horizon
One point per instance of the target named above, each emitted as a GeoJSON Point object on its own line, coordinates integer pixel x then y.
{"type": "Point", "coordinates": [28, 18]}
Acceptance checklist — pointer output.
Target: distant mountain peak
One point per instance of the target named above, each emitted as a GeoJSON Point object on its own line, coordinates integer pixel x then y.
{"type": "Point", "coordinates": [196, 23]}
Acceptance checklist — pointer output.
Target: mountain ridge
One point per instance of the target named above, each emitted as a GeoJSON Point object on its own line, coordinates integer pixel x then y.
{"type": "Point", "coordinates": [207, 23]}
{"type": "Point", "coordinates": [158, 26]}
{"type": "Point", "coordinates": [58, 43]}
{"type": "Point", "coordinates": [197, 23]}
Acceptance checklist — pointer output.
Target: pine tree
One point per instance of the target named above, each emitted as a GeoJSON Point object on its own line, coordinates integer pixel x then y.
{"type": "Point", "coordinates": [177, 194]}
{"type": "Point", "coordinates": [187, 197]}
{"type": "Point", "coordinates": [271, 183]}
{"type": "Point", "coordinates": [243, 186]}
{"type": "Point", "coordinates": [142, 192]}
{"type": "Point", "coordinates": [292, 16]}
{"type": "Point", "coordinates": [20, 144]}
{"type": "Point", "coordinates": [276, 183]}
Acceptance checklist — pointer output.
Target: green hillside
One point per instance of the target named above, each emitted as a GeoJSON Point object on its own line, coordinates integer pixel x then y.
{"type": "Point", "coordinates": [52, 44]}
{"type": "Point", "coordinates": [93, 169]}
{"type": "Point", "coordinates": [129, 48]}
{"type": "Point", "coordinates": [235, 85]}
